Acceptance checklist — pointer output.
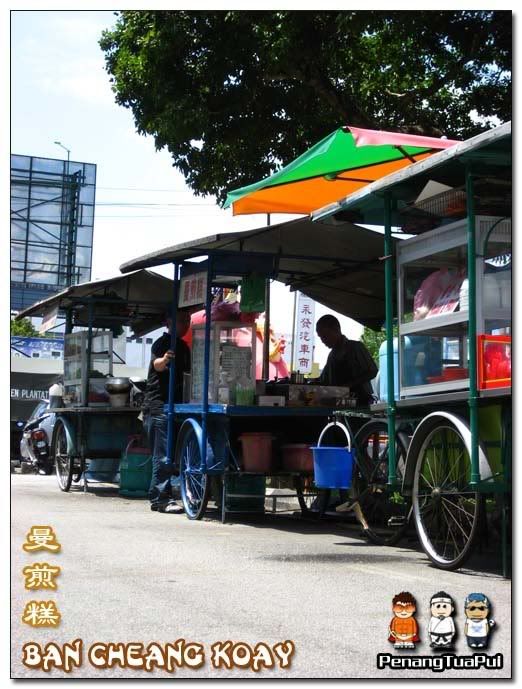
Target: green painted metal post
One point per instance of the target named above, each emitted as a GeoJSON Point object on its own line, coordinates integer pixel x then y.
{"type": "Point", "coordinates": [472, 330]}
{"type": "Point", "coordinates": [388, 282]}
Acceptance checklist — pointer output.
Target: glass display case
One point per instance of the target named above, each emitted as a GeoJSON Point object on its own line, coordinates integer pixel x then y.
{"type": "Point", "coordinates": [76, 368]}
{"type": "Point", "coordinates": [433, 301]}
{"type": "Point", "coordinates": [232, 363]}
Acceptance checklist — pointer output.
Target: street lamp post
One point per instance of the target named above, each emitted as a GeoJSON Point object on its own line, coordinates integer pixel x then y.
{"type": "Point", "coordinates": [67, 207]}
{"type": "Point", "coordinates": [59, 143]}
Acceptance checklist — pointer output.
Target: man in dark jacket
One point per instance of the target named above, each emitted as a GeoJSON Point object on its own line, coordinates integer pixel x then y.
{"type": "Point", "coordinates": [349, 363]}
{"type": "Point", "coordinates": [154, 417]}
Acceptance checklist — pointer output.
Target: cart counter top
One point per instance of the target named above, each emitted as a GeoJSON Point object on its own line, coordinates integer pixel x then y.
{"type": "Point", "coordinates": [237, 410]}
{"type": "Point", "coordinates": [95, 410]}
{"type": "Point", "coordinates": [443, 398]}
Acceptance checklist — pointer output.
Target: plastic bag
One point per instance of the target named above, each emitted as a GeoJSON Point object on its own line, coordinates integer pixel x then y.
{"type": "Point", "coordinates": [253, 293]}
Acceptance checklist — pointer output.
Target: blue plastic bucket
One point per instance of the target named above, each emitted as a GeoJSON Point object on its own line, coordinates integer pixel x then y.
{"type": "Point", "coordinates": [333, 466]}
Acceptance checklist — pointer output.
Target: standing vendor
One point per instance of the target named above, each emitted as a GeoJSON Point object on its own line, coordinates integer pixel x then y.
{"type": "Point", "coordinates": [349, 363]}
{"type": "Point", "coordinates": [154, 417]}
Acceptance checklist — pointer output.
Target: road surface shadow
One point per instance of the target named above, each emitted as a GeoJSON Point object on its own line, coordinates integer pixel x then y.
{"type": "Point", "coordinates": [486, 560]}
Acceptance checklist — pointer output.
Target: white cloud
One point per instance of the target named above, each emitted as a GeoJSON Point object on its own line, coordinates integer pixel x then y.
{"type": "Point", "coordinates": [82, 79]}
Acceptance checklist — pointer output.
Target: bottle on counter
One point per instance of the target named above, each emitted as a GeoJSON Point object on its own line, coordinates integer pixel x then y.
{"type": "Point", "coordinates": [244, 392]}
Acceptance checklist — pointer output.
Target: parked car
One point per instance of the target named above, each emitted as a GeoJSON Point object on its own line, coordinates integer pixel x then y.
{"type": "Point", "coordinates": [35, 446]}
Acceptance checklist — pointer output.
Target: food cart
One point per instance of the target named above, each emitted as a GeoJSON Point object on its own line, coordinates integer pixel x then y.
{"type": "Point", "coordinates": [97, 414]}
{"type": "Point", "coordinates": [447, 408]}
{"type": "Point", "coordinates": [339, 267]}
{"type": "Point", "coordinates": [439, 445]}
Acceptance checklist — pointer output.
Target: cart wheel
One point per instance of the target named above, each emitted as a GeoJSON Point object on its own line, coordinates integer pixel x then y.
{"type": "Point", "coordinates": [63, 460]}
{"type": "Point", "coordinates": [308, 496]}
{"type": "Point", "coordinates": [447, 510]}
{"type": "Point", "coordinates": [195, 485]}
{"type": "Point", "coordinates": [386, 511]}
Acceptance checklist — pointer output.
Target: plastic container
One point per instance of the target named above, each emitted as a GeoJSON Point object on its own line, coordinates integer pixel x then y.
{"type": "Point", "coordinates": [455, 373]}
{"type": "Point", "coordinates": [494, 361]}
{"type": "Point", "coordinates": [257, 451]}
{"type": "Point", "coordinates": [135, 469]}
{"type": "Point", "coordinates": [333, 466]}
{"type": "Point", "coordinates": [297, 457]}
{"type": "Point", "coordinates": [55, 396]}
{"type": "Point", "coordinates": [383, 370]}
{"type": "Point", "coordinates": [245, 392]}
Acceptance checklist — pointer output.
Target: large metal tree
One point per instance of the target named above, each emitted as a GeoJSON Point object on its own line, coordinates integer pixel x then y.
{"type": "Point", "coordinates": [235, 94]}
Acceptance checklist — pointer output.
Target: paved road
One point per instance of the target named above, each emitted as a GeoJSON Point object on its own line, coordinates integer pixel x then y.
{"type": "Point", "coordinates": [130, 575]}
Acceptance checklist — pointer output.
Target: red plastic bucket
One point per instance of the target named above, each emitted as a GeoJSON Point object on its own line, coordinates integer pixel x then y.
{"type": "Point", "coordinates": [257, 451]}
{"type": "Point", "coordinates": [297, 457]}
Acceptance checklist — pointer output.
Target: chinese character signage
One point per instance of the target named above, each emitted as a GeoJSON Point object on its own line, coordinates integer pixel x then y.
{"type": "Point", "coordinates": [304, 334]}
{"type": "Point", "coordinates": [192, 290]}
{"type": "Point", "coordinates": [41, 575]}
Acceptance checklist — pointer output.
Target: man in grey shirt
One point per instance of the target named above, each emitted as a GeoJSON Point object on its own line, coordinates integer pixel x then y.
{"type": "Point", "coordinates": [349, 363]}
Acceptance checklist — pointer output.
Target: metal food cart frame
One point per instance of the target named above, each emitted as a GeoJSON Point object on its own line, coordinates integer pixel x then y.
{"type": "Point", "coordinates": [88, 441]}
{"type": "Point", "coordinates": [484, 156]}
{"type": "Point", "coordinates": [488, 154]}
{"type": "Point", "coordinates": [340, 265]}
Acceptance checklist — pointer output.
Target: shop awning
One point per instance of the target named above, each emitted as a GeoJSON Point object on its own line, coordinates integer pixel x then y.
{"type": "Point", "coordinates": [338, 265]}
{"type": "Point", "coordinates": [347, 160]}
{"type": "Point", "coordinates": [139, 299]}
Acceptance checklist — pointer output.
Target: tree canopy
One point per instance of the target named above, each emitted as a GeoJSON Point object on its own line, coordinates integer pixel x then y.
{"type": "Point", "coordinates": [234, 95]}
{"type": "Point", "coordinates": [23, 328]}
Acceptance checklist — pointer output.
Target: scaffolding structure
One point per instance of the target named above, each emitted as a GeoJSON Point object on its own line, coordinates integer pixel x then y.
{"type": "Point", "coordinates": [52, 217]}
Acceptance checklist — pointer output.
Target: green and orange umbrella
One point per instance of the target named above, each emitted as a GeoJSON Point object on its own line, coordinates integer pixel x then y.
{"type": "Point", "coordinates": [340, 164]}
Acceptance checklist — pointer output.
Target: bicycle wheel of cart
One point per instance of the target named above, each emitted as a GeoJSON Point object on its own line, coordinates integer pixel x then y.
{"type": "Point", "coordinates": [63, 458]}
{"type": "Point", "coordinates": [308, 496]}
{"type": "Point", "coordinates": [386, 511]}
{"type": "Point", "coordinates": [195, 485]}
{"type": "Point", "coordinates": [447, 510]}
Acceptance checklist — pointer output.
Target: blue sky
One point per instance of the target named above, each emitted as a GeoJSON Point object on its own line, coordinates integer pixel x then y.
{"type": "Point", "coordinates": [61, 92]}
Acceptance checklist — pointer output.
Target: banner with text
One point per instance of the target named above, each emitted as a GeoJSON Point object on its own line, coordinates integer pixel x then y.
{"type": "Point", "coordinates": [304, 334]}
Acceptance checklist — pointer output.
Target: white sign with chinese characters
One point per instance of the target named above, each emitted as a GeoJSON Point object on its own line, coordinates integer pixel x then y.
{"type": "Point", "coordinates": [304, 334]}
{"type": "Point", "coordinates": [192, 290]}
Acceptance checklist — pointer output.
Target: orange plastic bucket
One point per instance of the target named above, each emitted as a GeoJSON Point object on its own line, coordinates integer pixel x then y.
{"type": "Point", "coordinates": [297, 457]}
{"type": "Point", "coordinates": [257, 451]}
